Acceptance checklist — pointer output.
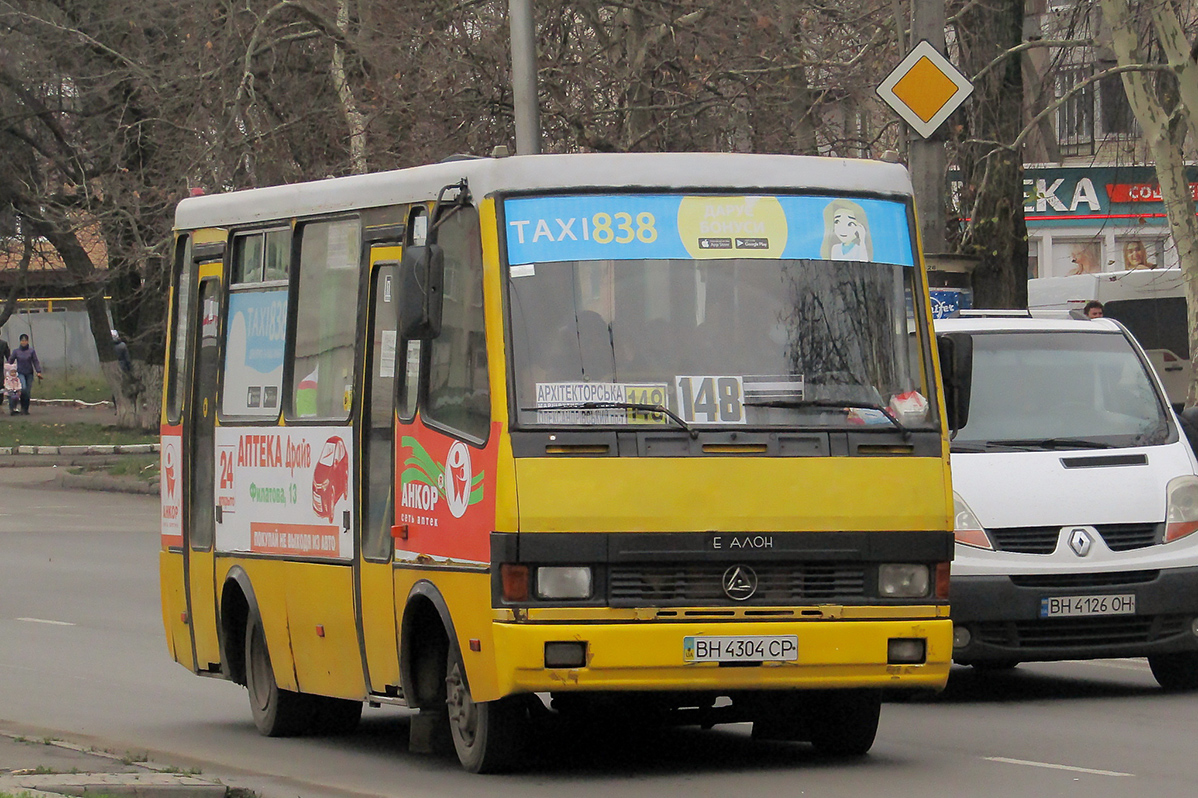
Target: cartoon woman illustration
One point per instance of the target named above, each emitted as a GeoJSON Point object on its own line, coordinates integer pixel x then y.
{"type": "Point", "coordinates": [846, 232]}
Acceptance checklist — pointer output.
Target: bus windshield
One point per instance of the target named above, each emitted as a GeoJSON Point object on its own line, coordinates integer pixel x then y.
{"type": "Point", "coordinates": [735, 341]}
{"type": "Point", "coordinates": [765, 310]}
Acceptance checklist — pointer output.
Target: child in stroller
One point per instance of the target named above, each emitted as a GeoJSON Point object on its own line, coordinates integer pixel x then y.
{"type": "Point", "coordinates": [12, 387]}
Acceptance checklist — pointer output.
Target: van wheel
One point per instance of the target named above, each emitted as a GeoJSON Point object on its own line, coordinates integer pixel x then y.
{"type": "Point", "coordinates": [277, 712]}
{"type": "Point", "coordinates": [844, 722]}
{"type": "Point", "coordinates": [1175, 672]}
{"type": "Point", "coordinates": [489, 735]}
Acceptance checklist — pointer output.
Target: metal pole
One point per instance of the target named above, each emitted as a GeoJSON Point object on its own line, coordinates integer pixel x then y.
{"type": "Point", "coordinates": [927, 158]}
{"type": "Point", "coordinates": [524, 77]}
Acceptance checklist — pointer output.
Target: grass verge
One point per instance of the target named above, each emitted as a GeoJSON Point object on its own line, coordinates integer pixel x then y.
{"type": "Point", "coordinates": [32, 433]}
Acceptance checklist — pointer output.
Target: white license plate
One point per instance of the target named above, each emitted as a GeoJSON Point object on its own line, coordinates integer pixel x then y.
{"type": "Point", "coordinates": [740, 648]}
{"type": "Point", "coordinates": [1073, 606]}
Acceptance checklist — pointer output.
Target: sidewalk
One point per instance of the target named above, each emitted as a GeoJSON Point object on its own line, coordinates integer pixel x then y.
{"type": "Point", "coordinates": [50, 768]}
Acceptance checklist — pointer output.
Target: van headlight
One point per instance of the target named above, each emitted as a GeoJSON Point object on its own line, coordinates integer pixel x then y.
{"type": "Point", "coordinates": [967, 529]}
{"type": "Point", "coordinates": [564, 582]}
{"type": "Point", "coordinates": [1181, 507]}
{"type": "Point", "coordinates": [902, 580]}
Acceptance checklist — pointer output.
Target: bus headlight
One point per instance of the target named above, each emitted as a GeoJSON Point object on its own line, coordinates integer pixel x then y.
{"type": "Point", "coordinates": [1181, 507]}
{"type": "Point", "coordinates": [966, 527]}
{"type": "Point", "coordinates": [564, 582]}
{"type": "Point", "coordinates": [902, 580]}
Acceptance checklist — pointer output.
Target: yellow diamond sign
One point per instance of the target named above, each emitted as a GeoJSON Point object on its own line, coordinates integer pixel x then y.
{"type": "Point", "coordinates": [924, 89]}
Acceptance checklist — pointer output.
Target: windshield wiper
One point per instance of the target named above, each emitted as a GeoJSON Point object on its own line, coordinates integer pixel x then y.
{"type": "Point", "coordinates": [836, 405]}
{"type": "Point", "coordinates": [642, 407]}
{"type": "Point", "coordinates": [1053, 443]}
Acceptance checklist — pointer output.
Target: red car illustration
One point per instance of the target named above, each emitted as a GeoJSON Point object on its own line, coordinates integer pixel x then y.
{"type": "Point", "coordinates": [330, 478]}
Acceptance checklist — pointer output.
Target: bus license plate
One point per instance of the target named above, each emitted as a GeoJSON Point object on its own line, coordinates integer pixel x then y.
{"type": "Point", "coordinates": [741, 648]}
{"type": "Point", "coordinates": [1073, 606]}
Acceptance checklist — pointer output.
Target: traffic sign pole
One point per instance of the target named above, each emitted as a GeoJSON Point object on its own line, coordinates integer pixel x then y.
{"type": "Point", "coordinates": [929, 164]}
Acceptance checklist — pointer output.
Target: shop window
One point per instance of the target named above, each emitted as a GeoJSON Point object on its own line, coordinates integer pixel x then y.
{"type": "Point", "coordinates": [322, 373]}
{"type": "Point", "coordinates": [1078, 256]}
{"type": "Point", "coordinates": [1137, 252]}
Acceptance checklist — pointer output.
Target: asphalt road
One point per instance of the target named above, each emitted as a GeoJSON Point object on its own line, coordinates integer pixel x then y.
{"type": "Point", "coordinates": [82, 656]}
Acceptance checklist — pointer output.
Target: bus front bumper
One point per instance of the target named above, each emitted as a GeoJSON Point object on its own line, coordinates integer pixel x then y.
{"type": "Point", "coordinates": [650, 656]}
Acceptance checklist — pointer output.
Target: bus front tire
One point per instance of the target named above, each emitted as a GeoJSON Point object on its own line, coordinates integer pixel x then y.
{"type": "Point", "coordinates": [845, 722]}
{"type": "Point", "coordinates": [277, 712]}
{"type": "Point", "coordinates": [487, 735]}
{"type": "Point", "coordinates": [1175, 672]}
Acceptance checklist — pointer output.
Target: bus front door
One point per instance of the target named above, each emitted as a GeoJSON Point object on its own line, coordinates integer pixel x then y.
{"type": "Point", "coordinates": [376, 585]}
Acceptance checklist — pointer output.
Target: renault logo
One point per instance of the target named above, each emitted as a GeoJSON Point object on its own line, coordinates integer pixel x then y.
{"type": "Point", "coordinates": [740, 582]}
{"type": "Point", "coordinates": [1080, 541]}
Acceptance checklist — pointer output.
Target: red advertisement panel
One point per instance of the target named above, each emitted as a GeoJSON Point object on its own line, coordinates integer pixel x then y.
{"type": "Point", "coordinates": [446, 495]}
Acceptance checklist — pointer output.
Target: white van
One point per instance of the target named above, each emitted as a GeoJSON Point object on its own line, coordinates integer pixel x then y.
{"type": "Point", "coordinates": [1076, 498]}
{"type": "Point", "coordinates": [1151, 303]}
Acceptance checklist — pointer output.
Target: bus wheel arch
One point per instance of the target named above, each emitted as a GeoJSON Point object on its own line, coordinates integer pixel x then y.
{"type": "Point", "coordinates": [237, 604]}
{"type": "Point", "coordinates": [427, 636]}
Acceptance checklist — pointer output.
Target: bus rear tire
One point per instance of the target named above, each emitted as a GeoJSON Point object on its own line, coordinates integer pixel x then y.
{"type": "Point", "coordinates": [488, 736]}
{"type": "Point", "coordinates": [1175, 672]}
{"type": "Point", "coordinates": [844, 722]}
{"type": "Point", "coordinates": [277, 712]}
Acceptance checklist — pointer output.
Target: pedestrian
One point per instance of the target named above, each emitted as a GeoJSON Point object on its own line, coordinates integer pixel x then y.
{"type": "Point", "coordinates": [25, 356]}
{"type": "Point", "coordinates": [5, 351]}
{"type": "Point", "coordinates": [122, 352]}
{"type": "Point", "coordinates": [1093, 309]}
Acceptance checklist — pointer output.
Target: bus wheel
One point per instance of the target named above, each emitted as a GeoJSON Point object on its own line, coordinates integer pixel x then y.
{"type": "Point", "coordinates": [1176, 672]}
{"type": "Point", "coordinates": [488, 735]}
{"type": "Point", "coordinates": [845, 722]}
{"type": "Point", "coordinates": [277, 712]}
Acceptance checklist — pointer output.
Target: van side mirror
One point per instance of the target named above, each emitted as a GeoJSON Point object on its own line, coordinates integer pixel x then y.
{"type": "Point", "coordinates": [421, 287]}
{"type": "Point", "coordinates": [956, 369]}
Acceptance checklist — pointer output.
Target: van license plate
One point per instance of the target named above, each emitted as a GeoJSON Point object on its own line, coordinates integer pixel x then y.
{"type": "Point", "coordinates": [740, 648]}
{"type": "Point", "coordinates": [1074, 606]}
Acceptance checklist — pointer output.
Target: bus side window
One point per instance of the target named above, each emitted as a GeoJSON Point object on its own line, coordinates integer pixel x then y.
{"type": "Point", "coordinates": [458, 391]}
{"type": "Point", "coordinates": [184, 275]}
{"type": "Point", "coordinates": [326, 326]}
{"type": "Point", "coordinates": [255, 333]}
{"type": "Point", "coordinates": [410, 388]}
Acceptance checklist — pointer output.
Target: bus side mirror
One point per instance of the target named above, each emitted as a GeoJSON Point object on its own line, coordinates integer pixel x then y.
{"type": "Point", "coordinates": [956, 369]}
{"type": "Point", "coordinates": [421, 285]}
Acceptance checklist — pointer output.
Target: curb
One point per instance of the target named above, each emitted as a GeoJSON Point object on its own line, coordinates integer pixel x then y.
{"type": "Point", "coordinates": [149, 781]}
{"type": "Point", "coordinates": [71, 451]}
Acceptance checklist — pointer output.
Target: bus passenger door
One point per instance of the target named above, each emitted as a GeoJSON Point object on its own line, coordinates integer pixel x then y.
{"type": "Point", "coordinates": [201, 512]}
{"type": "Point", "coordinates": [376, 586]}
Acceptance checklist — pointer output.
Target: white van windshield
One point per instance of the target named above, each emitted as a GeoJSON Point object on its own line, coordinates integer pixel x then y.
{"type": "Point", "coordinates": [1060, 391]}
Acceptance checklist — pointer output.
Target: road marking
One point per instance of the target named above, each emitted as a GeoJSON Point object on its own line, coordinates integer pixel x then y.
{"type": "Point", "coordinates": [1051, 766]}
{"type": "Point", "coordinates": [43, 620]}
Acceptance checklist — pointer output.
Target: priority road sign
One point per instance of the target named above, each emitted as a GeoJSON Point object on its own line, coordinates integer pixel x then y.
{"type": "Point", "coordinates": [924, 89]}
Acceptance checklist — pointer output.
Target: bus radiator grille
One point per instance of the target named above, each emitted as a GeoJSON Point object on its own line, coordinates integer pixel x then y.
{"type": "Point", "coordinates": [697, 583]}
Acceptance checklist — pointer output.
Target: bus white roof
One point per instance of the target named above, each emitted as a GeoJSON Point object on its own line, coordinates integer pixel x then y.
{"type": "Point", "coordinates": [750, 173]}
